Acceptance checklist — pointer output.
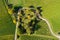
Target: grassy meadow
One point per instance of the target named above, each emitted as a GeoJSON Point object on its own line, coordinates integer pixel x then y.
{"type": "Point", "coordinates": [51, 11]}
{"type": "Point", "coordinates": [6, 25]}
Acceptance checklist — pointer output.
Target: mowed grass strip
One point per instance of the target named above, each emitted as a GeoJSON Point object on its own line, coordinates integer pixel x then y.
{"type": "Point", "coordinates": [6, 25]}
{"type": "Point", "coordinates": [7, 37]}
{"type": "Point", "coordinates": [28, 3]}
{"type": "Point", "coordinates": [51, 11]}
{"type": "Point", "coordinates": [15, 2]}
{"type": "Point", "coordinates": [31, 37]}
{"type": "Point", "coordinates": [25, 3]}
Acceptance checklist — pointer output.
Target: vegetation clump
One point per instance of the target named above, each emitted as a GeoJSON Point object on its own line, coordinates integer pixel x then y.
{"type": "Point", "coordinates": [27, 18]}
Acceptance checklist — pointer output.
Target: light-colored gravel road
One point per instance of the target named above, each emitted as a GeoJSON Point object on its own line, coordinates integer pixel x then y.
{"type": "Point", "coordinates": [49, 26]}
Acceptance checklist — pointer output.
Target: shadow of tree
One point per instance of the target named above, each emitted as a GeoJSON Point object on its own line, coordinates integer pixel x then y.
{"type": "Point", "coordinates": [35, 26]}
{"type": "Point", "coordinates": [22, 30]}
{"type": "Point", "coordinates": [31, 6]}
{"type": "Point", "coordinates": [40, 10]}
{"type": "Point", "coordinates": [16, 8]}
{"type": "Point", "coordinates": [10, 6]}
{"type": "Point", "coordinates": [59, 33]}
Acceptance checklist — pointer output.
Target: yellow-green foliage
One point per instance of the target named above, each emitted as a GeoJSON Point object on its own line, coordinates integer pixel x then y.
{"type": "Point", "coordinates": [10, 11]}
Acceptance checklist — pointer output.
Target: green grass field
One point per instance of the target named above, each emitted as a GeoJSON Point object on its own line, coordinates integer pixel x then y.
{"type": "Point", "coordinates": [51, 11]}
{"type": "Point", "coordinates": [31, 37]}
{"type": "Point", "coordinates": [6, 25]}
{"type": "Point", "coordinates": [7, 37]}
{"type": "Point", "coordinates": [15, 2]}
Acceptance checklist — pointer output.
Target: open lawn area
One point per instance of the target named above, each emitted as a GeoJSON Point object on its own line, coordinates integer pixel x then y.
{"type": "Point", "coordinates": [6, 25]}
{"type": "Point", "coordinates": [7, 37]}
{"type": "Point", "coordinates": [15, 2]}
{"type": "Point", "coordinates": [40, 37]}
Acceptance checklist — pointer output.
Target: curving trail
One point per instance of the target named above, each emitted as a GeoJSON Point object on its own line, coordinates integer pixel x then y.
{"type": "Point", "coordinates": [17, 24]}
{"type": "Point", "coordinates": [37, 14]}
{"type": "Point", "coordinates": [49, 26]}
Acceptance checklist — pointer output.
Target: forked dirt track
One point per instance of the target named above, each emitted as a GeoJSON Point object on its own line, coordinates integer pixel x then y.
{"type": "Point", "coordinates": [49, 26]}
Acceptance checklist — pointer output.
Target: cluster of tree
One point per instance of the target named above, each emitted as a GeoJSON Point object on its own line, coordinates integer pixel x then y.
{"type": "Point", "coordinates": [28, 19]}
{"type": "Point", "coordinates": [13, 10]}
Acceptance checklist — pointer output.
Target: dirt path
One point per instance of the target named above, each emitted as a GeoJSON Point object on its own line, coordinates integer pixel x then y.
{"type": "Point", "coordinates": [49, 26]}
